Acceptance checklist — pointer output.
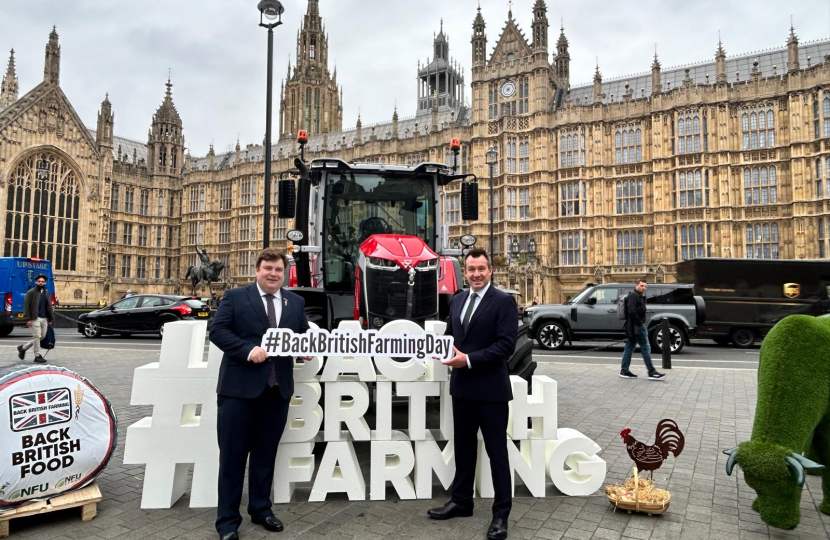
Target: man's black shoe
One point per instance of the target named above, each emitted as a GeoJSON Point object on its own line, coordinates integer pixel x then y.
{"type": "Point", "coordinates": [497, 530]}
{"type": "Point", "coordinates": [656, 376]}
{"type": "Point", "coordinates": [271, 523]}
{"type": "Point", "coordinates": [229, 536]}
{"type": "Point", "coordinates": [449, 511]}
{"type": "Point", "coordinates": [40, 360]}
{"type": "Point", "coordinates": [21, 352]}
{"type": "Point", "coordinates": [627, 375]}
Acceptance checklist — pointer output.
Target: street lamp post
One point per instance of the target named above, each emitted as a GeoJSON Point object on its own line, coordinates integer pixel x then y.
{"type": "Point", "coordinates": [492, 156]}
{"type": "Point", "coordinates": [270, 16]}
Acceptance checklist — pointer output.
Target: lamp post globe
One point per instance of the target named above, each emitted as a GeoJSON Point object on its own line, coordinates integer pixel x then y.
{"type": "Point", "coordinates": [271, 10]}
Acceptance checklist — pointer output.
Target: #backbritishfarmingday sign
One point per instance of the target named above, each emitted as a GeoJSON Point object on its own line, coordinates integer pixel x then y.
{"type": "Point", "coordinates": [410, 460]}
{"type": "Point", "coordinates": [57, 432]}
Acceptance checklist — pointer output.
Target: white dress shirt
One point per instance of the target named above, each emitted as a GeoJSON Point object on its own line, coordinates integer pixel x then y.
{"type": "Point", "coordinates": [277, 307]}
{"type": "Point", "coordinates": [480, 295]}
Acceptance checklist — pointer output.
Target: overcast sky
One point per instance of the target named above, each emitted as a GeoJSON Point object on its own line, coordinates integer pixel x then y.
{"type": "Point", "coordinates": [217, 54]}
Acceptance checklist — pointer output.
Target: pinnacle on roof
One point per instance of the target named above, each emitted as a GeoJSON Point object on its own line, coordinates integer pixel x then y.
{"type": "Point", "coordinates": [793, 37]}
{"type": "Point", "coordinates": [540, 4]}
{"type": "Point", "coordinates": [441, 36]}
{"type": "Point", "coordinates": [720, 52]}
{"type": "Point", "coordinates": [167, 110]}
{"type": "Point", "coordinates": [106, 101]}
{"type": "Point", "coordinates": [510, 10]}
{"type": "Point", "coordinates": [10, 71]}
{"type": "Point", "coordinates": [53, 36]}
{"type": "Point", "coordinates": [563, 41]}
{"type": "Point", "coordinates": [597, 74]}
{"type": "Point", "coordinates": [479, 20]}
{"type": "Point", "coordinates": [656, 63]}
{"type": "Point", "coordinates": [313, 8]}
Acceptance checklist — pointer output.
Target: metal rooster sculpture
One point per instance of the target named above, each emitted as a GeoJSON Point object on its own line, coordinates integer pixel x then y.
{"type": "Point", "coordinates": [667, 439]}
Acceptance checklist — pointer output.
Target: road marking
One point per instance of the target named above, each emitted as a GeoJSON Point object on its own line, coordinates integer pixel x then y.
{"type": "Point", "coordinates": [678, 367]}
{"type": "Point", "coordinates": [618, 358]}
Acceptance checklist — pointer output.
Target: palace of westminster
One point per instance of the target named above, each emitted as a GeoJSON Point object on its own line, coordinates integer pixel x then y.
{"type": "Point", "coordinates": [611, 181]}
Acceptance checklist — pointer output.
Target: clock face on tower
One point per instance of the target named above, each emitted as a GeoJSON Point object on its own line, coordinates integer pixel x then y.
{"type": "Point", "coordinates": [508, 89]}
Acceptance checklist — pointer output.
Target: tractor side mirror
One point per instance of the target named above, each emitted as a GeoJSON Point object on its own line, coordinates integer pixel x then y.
{"type": "Point", "coordinates": [287, 198]}
{"type": "Point", "coordinates": [469, 201]}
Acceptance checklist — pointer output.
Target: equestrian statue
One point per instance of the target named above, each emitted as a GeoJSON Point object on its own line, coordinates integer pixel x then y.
{"type": "Point", "coordinates": [205, 271]}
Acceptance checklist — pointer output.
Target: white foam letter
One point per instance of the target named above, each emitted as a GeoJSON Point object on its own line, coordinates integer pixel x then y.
{"type": "Point", "coordinates": [339, 472]}
{"type": "Point", "coordinates": [350, 411]}
{"type": "Point", "coordinates": [586, 469]}
{"type": "Point", "coordinates": [295, 463]}
{"type": "Point", "coordinates": [392, 461]}
{"type": "Point", "coordinates": [540, 407]}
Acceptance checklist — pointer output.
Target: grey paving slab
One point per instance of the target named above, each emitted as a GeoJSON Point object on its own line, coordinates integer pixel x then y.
{"type": "Point", "coordinates": [714, 407]}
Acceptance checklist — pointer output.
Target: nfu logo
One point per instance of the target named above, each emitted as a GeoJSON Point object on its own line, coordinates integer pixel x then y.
{"type": "Point", "coordinates": [67, 481]}
{"type": "Point", "coordinates": [29, 491]}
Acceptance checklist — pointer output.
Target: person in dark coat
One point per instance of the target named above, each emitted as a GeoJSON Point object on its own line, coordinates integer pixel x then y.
{"type": "Point", "coordinates": [484, 324]}
{"type": "Point", "coordinates": [637, 333]}
{"type": "Point", "coordinates": [253, 392]}
{"type": "Point", "coordinates": [38, 312]}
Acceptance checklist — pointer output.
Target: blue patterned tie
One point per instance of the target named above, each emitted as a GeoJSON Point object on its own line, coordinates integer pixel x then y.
{"type": "Point", "coordinates": [272, 323]}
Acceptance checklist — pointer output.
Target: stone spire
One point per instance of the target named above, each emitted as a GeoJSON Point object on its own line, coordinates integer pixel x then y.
{"type": "Point", "coordinates": [720, 64]}
{"type": "Point", "coordinates": [358, 138]}
{"type": "Point", "coordinates": [563, 58]}
{"type": "Point", "coordinates": [106, 121]}
{"type": "Point", "coordinates": [434, 111]}
{"type": "Point", "coordinates": [52, 64]}
{"type": "Point", "coordinates": [165, 147]}
{"type": "Point", "coordinates": [656, 84]}
{"type": "Point", "coordinates": [792, 51]}
{"type": "Point", "coordinates": [479, 40]}
{"type": "Point", "coordinates": [395, 123]}
{"type": "Point", "coordinates": [540, 27]}
{"type": "Point", "coordinates": [597, 85]}
{"type": "Point", "coordinates": [10, 88]}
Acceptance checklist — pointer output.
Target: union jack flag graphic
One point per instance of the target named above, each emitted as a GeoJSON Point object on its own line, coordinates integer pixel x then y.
{"type": "Point", "coordinates": [36, 409]}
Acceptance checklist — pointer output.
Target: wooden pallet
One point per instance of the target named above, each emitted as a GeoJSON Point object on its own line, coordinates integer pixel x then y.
{"type": "Point", "coordinates": [87, 498]}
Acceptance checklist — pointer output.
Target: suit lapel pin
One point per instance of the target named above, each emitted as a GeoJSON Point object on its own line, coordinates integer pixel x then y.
{"type": "Point", "coordinates": [285, 302]}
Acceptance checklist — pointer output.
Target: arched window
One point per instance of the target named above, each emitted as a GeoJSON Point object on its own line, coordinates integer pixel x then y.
{"type": "Point", "coordinates": [753, 121]}
{"type": "Point", "coordinates": [770, 119]}
{"type": "Point", "coordinates": [745, 122]}
{"type": "Point", "coordinates": [43, 190]}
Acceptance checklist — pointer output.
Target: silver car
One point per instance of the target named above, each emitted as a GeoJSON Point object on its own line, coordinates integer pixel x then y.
{"type": "Point", "coordinates": [592, 315]}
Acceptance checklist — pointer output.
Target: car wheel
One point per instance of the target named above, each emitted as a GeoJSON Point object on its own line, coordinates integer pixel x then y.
{"type": "Point", "coordinates": [743, 338]}
{"type": "Point", "coordinates": [6, 330]}
{"type": "Point", "coordinates": [92, 330]}
{"type": "Point", "coordinates": [721, 340]}
{"type": "Point", "coordinates": [551, 336]}
{"type": "Point", "coordinates": [676, 344]}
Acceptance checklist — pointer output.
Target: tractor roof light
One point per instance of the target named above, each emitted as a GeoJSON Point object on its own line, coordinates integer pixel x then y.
{"type": "Point", "coordinates": [302, 136]}
{"type": "Point", "coordinates": [455, 144]}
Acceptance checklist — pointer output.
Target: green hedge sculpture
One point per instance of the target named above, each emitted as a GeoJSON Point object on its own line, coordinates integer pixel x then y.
{"type": "Point", "coordinates": [792, 417]}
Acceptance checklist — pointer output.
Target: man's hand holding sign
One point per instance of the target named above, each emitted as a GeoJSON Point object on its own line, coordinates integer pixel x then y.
{"type": "Point", "coordinates": [457, 361]}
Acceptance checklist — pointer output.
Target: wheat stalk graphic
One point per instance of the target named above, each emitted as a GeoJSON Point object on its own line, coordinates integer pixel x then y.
{"type": "Point", "coordinates": [79, 397]}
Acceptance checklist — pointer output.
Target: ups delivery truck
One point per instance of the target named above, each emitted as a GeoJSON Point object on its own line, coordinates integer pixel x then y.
{"type": "Point", "coordinates": [745, 298]}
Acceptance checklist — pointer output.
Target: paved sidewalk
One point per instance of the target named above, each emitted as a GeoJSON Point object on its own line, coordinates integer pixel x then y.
{"type": "Point", "coordinates": [714, 408]}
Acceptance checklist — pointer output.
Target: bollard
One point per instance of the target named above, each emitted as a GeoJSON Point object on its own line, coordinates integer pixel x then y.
{"type": "Point", "coordinates": [666, 348]}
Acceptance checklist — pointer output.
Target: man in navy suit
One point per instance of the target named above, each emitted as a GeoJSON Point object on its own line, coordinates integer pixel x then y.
{"type": "Point", "coordinates": [484, 323]}
{"type": "Point", "coordinates": [253, 391]}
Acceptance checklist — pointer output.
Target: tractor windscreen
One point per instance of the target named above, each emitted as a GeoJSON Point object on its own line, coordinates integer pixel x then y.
{"type": "Point", "coordinates": [360, 205]}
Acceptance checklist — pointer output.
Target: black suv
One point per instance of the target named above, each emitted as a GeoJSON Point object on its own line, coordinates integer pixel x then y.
{"type": "Point", "coordinates": [592, 315]}
{"type": "Point", "coordinates": [142, 313]}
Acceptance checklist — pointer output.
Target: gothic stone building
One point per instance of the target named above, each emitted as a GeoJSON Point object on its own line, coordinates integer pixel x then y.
{"type": "Point", "coordinates": [611, 180]}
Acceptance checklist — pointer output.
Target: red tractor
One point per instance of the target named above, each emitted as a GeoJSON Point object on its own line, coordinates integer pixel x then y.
{"type": "Point", "coordinates": [369, 243]}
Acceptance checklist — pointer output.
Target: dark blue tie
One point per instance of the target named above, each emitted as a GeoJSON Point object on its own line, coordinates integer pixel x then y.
{"type": "Point", "coordinates": [272, 323]}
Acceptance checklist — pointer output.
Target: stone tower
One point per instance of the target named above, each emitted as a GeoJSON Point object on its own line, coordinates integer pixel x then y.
{"type": "Point", "coordinates": [106, 120]}
{"type": "Point", "coordinates": [441, 80]}
{"type": "Point", "coordinates": [540, 27]}
{"type": "Point", "coordinates": [52, 65]}
{"type": "Point", "coordinates": [310, 99]}
{"type": "Point", "coordinates": [562, 63]}
{"type": "Point", "coordinates": [165, 141]}
{"type": "Point", "coordinates": [479, 41]}
{"type": "Point", "coordinates": [9, 90]}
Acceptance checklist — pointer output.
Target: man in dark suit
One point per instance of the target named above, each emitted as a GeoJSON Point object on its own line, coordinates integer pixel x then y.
{"type": "Point", "coordinates": [484, 323]}
{"type": "Point", "coordinates": [253, 391]}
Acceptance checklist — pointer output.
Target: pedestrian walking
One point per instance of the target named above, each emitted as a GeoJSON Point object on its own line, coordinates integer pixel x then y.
{"type": "Point", "coordinates": [38, 312]}
{"type": "Point", "coordinates": [535, 301]}
{"type": "Point", "coordinates": [637, 333]}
